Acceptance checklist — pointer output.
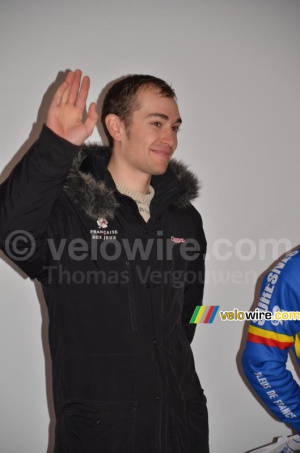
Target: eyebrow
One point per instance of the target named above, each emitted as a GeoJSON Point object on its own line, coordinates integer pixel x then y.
{"type": "Point", "coordinates": [164, 117]}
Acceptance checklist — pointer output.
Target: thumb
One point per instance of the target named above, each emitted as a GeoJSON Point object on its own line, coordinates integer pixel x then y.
{"type": "Point", "coordinates": [92, 117]}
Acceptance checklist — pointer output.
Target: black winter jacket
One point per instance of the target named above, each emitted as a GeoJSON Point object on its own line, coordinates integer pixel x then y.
{"type": "Point", "coordinates": [120, 294]}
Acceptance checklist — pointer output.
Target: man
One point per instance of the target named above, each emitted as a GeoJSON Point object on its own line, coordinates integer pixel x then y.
{"type": "Point", "coordinates": [269, 341]}
{"type": "Point", "coordinates": [113, 236]}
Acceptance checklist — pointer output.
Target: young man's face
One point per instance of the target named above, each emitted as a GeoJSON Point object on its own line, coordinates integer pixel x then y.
{"type": "Point", "coordinates": [151, 136]}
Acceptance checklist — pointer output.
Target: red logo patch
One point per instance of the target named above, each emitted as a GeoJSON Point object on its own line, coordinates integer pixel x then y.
{"type": "Point", "coordinates": [177, 240]}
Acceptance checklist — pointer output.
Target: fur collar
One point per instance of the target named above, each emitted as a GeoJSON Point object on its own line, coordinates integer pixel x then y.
{"type": "Point", "coordinates": [97, 197]}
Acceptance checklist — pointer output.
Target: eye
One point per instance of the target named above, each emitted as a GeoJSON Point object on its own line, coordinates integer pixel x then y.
{"type": "Point", "coordinates": [156, 123]}
{"type": "Point", "coordinates": [176, 129]}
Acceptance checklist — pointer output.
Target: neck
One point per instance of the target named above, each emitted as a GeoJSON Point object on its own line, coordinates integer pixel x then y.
{"type": "Point", "coordinates": [128, 177]}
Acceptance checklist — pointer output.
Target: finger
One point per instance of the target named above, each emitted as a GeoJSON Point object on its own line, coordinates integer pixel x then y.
{"type": "Point", "coordinates": [83, 93]}
{"type": "Point", "coordinates": [59, 94]}
{"type": "Point", "coordinates": [75, 87]}
{"type": "Point", "coordinates": [56, 100]}
{"type": "Point", "coordinates": [69, 79]}
{"type": "Point", "coordinates": [92, 112]}
{"type": "Point", "coordinates": [92, 118]}
{"type": "Point", "coordinates": [69, 76]}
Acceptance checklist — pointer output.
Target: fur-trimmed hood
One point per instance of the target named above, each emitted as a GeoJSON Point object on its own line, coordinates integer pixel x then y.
{"type": "Point", "coordinates": [90, 185]}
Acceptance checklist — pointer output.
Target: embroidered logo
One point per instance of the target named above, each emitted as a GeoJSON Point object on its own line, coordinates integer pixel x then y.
{"type": "Point", "coordinates": [102, 232]}
{"type": "Point", "coordinates": [102, 223]}
{"type": "Point", "coordinates": [177, 240]}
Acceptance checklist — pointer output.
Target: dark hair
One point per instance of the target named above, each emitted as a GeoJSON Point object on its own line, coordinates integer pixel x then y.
{"type": "Point", "coordinates": [121, 97]}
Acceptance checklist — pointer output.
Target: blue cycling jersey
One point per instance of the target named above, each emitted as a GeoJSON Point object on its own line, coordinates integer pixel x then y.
{"type": "Point", "coordinates": [265, 356]}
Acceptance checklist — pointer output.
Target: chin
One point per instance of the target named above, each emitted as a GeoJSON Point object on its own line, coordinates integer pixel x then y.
{"type": "Point", "coordinates": [159, 171]}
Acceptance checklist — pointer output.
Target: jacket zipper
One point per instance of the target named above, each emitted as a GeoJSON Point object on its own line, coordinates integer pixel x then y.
{"type": "Point", "coordinates": [159, 373]}
{"type": "Point", "coordinates": [131, 300]}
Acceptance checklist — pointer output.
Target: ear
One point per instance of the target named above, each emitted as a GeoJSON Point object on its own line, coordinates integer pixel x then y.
{"type": "Point", "coordinates": [115, 126]}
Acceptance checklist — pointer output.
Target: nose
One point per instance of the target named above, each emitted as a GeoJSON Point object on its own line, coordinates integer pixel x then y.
{"type": "Point", "coordinates": [169, 138]}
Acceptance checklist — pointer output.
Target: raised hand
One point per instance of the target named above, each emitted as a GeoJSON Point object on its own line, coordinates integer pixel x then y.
{"type": "Point", "coordinates": [65, 115]}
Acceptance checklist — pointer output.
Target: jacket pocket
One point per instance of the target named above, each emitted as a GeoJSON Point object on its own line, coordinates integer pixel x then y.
{"type": "Point", "coordinates": [103, 427]}
{"type": "Point", "coordinates": [197, 424]}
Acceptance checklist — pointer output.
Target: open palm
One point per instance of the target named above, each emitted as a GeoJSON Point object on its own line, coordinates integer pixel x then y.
{"type": "Point", "coordinates": [65, 115]}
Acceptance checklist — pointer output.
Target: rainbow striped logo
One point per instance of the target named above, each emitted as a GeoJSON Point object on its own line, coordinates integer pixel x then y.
{"type": "Point", "coordinates": [204, 314]}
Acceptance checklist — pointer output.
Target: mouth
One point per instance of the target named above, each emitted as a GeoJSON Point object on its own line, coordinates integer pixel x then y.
{"type": "Point", "coordinates": [163, 154]}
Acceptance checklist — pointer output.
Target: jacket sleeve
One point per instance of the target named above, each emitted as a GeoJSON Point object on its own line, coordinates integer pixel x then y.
{"type": "Point", "coordinates": [27, 198]}
{"type": "Point", "coordinates": [194, 286]}
{"type": "Point", "coordinates": [265, 356]}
